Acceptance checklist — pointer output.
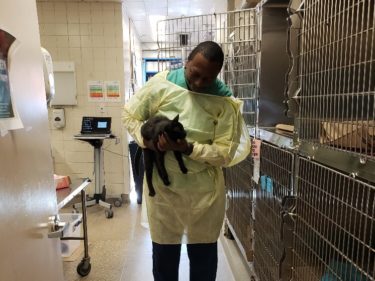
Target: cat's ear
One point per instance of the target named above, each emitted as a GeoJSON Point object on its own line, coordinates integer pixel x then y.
{"type": "Point", "coordinates": [176, 118]}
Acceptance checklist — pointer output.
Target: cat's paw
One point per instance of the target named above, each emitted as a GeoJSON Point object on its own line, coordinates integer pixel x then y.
{"type": "Point", "coordinates": [167, 182]}
{"type": "Point", "coordinates": [151, 193]}
{"type": "Point", "coordinates": [184, 170]}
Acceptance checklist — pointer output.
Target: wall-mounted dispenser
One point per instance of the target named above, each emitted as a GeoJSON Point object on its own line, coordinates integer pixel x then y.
{"type": "Point", "coordinates": [58, 118]}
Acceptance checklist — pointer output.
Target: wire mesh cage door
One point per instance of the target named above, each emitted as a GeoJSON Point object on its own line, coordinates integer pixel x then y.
{"type": "Point", "coordinates": [238, 180]}
{"type": "Point", "coordinates": [276, 183]}
{"type": "Point", "coordinates": [337, 76]}
{"type": "Point", "coordinates": [335, 226]}
{"type": "Point", "coordinates": [235, 32]}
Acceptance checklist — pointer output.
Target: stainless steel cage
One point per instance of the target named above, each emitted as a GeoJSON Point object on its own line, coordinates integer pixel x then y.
{"type": "Point", "coordinates": [268, 249]}
{"type": "Point", "coordinates": [335, 226]}
{"type": "Point", "coordinates": [277, 165]}
{"type": "Point", "coordinates": [276, 183]}
{"type": "Point", "coordinates": [240, 201]}
{"type": "Point", "coordinates": [337, 81]}
{"type": "Point", "coordinates": [235, 31]}
{"type": "Point", "coordinates": [331, 92]}
{"type": "Point", "coordinates": [273, 63]}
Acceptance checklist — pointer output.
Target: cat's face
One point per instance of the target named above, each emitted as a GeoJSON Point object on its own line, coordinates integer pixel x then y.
{"type": "Point", "coordinates": [175, 130]}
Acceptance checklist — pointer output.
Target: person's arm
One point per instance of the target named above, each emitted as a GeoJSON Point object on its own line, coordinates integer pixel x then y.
{"type": "Point", "coordinates": [165, 143]}
{"type": "Point", "coordinates": [223, 148]}
{"type": "Point", "coordinates": [139, 108]}
{"type": "Point", "coordinates": [228, 134]}
{"type": "Point", "coordinates": [213, 154]}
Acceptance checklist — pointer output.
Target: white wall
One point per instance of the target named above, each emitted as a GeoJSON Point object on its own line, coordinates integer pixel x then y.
{"type": "Point", "coordinates": [132, 47]}
{"type": "Point", "coordinates": [90, 35]}
{"type": "Point", "coordinates": [150, 50]}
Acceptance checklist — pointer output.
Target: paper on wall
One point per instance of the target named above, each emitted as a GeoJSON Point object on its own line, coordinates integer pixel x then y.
{"type": "Point", "coordinates": [95, 91]}
{"type": "Point", "coordinates": [112, 91]}
{"type": "Point", "coordinates": [104, 91]}
{"type": "Point", "coordinates": [9, 118]}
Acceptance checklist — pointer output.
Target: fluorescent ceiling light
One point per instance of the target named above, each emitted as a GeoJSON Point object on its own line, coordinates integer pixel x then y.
{"type": "Point", "coordinates": [154, 19]}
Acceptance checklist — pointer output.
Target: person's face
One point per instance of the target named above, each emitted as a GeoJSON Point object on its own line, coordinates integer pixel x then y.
{"type": "Point", "coordinates": [200, 73]}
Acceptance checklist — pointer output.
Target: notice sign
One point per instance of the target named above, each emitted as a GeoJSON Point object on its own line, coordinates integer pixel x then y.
{"type": "Point", "coordinates": [255, 152]}
{"type": "Point", "coordinates": [96, 91]}
{"type": "Point", "coordinates": [104, 91]}
{"type": "Point", "coordinates": [255, 148]}
{"type": "Point", "coordinates": [6, 109]}
{"type": "Point", "coordinates": [9, 118]}
{"type": "Point", "coordinates": [112, 91]}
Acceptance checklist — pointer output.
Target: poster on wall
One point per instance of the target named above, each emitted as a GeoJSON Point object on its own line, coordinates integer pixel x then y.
{"type": "Point", "coordinates": [95, 91]}
{"type": "Point", "coordinates": [112, 91]}
{"type": "Point", "coordinates": [6, 108]}
{"type": "Point", "coordinates": [9, 118]}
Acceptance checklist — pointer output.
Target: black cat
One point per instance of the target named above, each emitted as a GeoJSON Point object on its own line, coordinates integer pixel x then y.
{"type": "Point", "coordinates": [151, 130]}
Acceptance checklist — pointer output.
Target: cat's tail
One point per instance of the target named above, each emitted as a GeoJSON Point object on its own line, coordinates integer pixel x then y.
{"type": "Point", "coordinates": [137, 159]}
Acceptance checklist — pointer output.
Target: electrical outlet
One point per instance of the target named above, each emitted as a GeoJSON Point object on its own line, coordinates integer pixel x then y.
{"type": "Point", "coordinates": [101, 109]}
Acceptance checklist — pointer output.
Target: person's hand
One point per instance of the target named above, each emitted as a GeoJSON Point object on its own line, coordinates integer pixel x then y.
{"type": "Point", "coordinates": [149, 144]}
{"type": "Point", "coordinates": [166, 143]}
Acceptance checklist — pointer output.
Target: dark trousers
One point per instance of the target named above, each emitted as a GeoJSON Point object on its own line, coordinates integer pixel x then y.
{"type": "Point", "coordinates": [166, 260]}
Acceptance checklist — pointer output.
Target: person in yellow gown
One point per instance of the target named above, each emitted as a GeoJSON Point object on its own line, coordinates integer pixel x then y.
{"type": "Point", "coordinates": [191, 209]}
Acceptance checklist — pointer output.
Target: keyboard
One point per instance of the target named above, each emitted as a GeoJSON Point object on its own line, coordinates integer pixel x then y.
{"type": "Point", "coordinates": [94, 136]}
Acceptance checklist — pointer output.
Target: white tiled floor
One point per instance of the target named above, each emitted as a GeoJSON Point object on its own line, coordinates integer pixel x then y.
{"type": "Point", "coordinates": [120, 249]}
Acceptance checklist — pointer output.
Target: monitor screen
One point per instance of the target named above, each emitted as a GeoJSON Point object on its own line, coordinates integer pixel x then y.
{"type": "Point", "coordinates": [102, 124]}
{"type": "Point", "coordinates": [96, 125]}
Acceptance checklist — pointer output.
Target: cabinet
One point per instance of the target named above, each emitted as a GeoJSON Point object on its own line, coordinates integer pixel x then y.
{"type": "Point", "coordinates": [65, 83]}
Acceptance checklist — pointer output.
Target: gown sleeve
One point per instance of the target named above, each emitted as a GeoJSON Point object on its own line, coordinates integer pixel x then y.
{"type": "Point", "coordinates": [230, 145]}
{"type": "Point", "coordinates": [141, 107]}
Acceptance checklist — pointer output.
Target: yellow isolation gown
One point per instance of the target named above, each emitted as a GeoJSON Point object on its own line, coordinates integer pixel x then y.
{"type": "Point", "coordinates": [191, 209]}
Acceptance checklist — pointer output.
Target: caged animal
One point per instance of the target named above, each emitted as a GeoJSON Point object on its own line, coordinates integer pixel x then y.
{"type": "Point", "coordinates": [151, 130]}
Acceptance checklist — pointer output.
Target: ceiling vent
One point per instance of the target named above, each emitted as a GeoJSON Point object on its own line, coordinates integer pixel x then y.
{"type": "Point", "coordinates": [184, 39]}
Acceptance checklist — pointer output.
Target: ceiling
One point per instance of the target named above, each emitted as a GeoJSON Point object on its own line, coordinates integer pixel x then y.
{"type": "Point", "coordinates": [145, 13]}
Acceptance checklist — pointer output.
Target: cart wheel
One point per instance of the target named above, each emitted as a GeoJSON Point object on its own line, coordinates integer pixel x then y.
{"type": "Point", "coordinates": [84, 268]}
{"type": "Point", "coordinates": [108, 214]}
{"type": "Point", "coordinates": [118, 203]}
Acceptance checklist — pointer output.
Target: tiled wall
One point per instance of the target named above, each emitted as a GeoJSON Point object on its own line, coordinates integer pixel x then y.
{"type": "Point", "coordinates": [132, 48]}
{"type": "Point", "coordinates": [92, 36]}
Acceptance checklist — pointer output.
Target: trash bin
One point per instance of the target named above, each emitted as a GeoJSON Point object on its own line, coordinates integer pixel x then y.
{"type": "Point", "coordinates": [138, 179]}
{"type": "Point", "coordinates": [73, 230]}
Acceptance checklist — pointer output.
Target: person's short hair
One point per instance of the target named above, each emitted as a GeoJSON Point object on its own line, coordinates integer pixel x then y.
{"type": "Point", "coordinates": [210, 50]}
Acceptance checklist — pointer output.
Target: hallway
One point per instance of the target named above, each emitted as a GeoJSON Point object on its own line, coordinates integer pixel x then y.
{"type": "Point", "coordinates": [120, 249]}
